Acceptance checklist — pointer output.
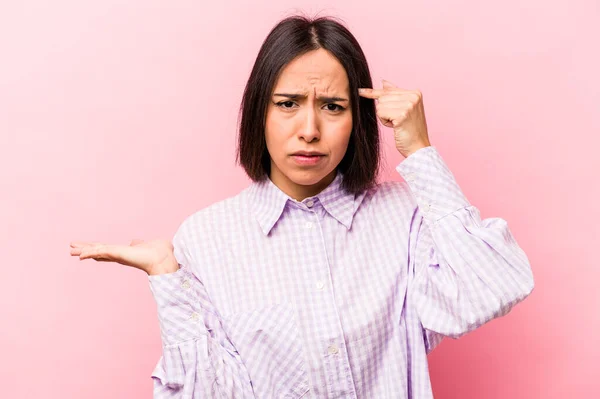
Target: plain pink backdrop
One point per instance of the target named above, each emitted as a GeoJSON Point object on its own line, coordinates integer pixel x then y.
{"type": "Point", "coordinates": [118, 120]}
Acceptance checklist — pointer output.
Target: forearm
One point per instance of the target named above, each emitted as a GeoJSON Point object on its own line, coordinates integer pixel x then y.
{"type": "Point", "coordinates": [198, 360]}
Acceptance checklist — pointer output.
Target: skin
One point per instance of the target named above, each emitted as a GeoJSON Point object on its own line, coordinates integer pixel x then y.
{"type": "Point", "coordinates": [305, 121]}
{"type": "Point", "coordinates": [403, 111]}
{"type": "Point", "coordinates": [309, 111]}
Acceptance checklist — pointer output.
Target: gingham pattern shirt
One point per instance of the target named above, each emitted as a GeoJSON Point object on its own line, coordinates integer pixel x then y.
{"type": "Point", "coordinates": [336, 296]}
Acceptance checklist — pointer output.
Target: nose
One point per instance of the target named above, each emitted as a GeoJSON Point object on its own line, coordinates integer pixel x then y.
{"type": "Point", "coordinates": [309, 130]}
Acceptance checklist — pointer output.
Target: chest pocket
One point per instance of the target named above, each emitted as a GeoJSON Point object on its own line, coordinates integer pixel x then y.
{"type": "Point", "coordinates": [268, 342]}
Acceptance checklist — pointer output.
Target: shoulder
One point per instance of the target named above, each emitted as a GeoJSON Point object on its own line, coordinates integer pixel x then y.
{"type": "Point", "coordinates": [391, 192]}
{"type": "Point", "coordinates": [389, 201]}
{"type": "Point", "coordinates": [215, 217]}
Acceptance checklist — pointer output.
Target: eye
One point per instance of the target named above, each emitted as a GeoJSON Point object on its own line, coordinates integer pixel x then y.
{"type": "Point", "coordinates": [285, 104]}
{"type": "Point", "coordinates": [334, 107]}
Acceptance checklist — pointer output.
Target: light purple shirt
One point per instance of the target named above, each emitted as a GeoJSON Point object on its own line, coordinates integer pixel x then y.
{"type": "Point", "coordinates": [337, 296]}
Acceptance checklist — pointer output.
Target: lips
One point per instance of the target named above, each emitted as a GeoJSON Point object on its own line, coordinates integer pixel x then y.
{"type": "Point", "coordinates": [308, 154]}
{"type": "Point", "coordinates": [307, 158]}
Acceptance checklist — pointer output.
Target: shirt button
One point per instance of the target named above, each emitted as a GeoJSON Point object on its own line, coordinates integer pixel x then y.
{"type": "Point", "coordinates": [308, 225]}
{"type": "Point", "coordinates": [320, 285]}
{"type": "Point", "coordinates": [310, 203]}
{"type": "Point", "coordinates": [410, 177]}
{"type": "Point", "coordinates": [333, 349]}
{"type": "Point", "coordinates": [195, 316]}
{"type": "Point", "coordinates": [186, 284]}
{"type": "Point", "coordinates": [425, 207]}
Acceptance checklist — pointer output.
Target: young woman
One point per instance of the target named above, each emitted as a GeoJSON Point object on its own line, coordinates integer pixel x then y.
{"type": "Point", "coordinates": [316, 281]}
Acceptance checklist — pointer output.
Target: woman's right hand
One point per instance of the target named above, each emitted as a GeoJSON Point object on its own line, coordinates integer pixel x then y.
{"type": "Point", "coordinates": [154, 257]}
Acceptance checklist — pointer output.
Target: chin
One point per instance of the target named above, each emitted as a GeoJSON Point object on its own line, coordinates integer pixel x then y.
{"type": "Point", "coordinates": [308, 178]}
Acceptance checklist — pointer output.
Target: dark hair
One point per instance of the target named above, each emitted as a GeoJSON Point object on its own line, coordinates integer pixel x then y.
{"type": "Point", "coordinates": [290, 38]}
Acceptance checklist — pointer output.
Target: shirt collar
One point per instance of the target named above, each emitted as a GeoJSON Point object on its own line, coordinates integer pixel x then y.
{"type": "Point", "coordinates": [269, 202]}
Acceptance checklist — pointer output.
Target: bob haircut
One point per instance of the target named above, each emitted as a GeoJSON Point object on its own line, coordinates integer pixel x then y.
{"type": "Point", "coordinates": [291, 38]}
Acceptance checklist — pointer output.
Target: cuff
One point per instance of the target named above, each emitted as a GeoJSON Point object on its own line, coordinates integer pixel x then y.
{"type": "Point", "coordinates": [179, 313]}
{"type": "Point", "coordinates": [432, 184]}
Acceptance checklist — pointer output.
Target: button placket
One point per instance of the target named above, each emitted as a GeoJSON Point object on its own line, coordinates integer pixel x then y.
{"type": "Point", "coordinates": [325, 308]}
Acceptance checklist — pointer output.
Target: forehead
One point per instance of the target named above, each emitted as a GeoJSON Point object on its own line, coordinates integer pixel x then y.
{"type": "Point", "coordinates": [316, 69]}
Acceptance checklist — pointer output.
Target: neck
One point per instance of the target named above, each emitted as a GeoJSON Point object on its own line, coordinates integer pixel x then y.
{"type": "Point", "coordinates": [298, 191]}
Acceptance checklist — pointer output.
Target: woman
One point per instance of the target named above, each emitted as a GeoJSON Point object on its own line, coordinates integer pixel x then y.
{"type": "Point", "coordinates": [315, 281]}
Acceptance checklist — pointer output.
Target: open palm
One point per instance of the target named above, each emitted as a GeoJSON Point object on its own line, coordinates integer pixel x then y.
{"type": "Point", "coordinates": [153, 257]}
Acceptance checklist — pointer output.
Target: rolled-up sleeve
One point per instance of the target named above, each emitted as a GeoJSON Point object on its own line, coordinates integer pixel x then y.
{"type": "Point", "coordinates": [198, 359]}
{"type": "Point", "coordinates": [466, 271]}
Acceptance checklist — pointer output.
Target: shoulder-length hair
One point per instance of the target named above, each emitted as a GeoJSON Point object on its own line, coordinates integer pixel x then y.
{"type": "Point", "coordinates": [291, 38]}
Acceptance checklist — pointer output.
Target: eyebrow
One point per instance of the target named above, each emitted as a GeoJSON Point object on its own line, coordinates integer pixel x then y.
{"type": "Point", "coordinates": [321, 98]}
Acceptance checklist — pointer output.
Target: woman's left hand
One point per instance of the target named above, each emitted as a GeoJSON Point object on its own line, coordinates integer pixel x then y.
{"type": "Point", "coordinates": [403, 111]}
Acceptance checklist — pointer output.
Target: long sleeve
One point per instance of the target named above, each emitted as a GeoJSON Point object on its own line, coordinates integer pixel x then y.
{"type": "Point", "coordinates": [467, 271]}
{"type": "Point", "coordinates": [198, 360]}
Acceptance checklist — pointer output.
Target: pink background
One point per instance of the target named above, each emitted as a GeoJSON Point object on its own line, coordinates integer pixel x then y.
{"type": "Point", "coordinates": [118, 119]}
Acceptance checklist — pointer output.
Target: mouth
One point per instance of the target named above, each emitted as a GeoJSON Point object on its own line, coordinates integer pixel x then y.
{"type": "Point", "coordinates": [307, 158]}
{"type": "Point", "coordinates": [308, 154]}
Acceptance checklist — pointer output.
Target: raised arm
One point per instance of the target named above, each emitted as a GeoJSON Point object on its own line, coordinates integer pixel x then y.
{"type": "Point", "coordinates": [198, 359]}
{"type": "Point", "coordinates": [467, 271]}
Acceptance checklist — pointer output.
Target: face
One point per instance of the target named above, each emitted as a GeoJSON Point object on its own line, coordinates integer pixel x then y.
{"type": "Point", "coordinates": [308, 124]}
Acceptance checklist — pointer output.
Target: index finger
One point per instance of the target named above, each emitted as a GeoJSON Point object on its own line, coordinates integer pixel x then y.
{"type": "Point", "coordinates": [370, 93]}
{"type": "Point", "coordinates": [79, 244]}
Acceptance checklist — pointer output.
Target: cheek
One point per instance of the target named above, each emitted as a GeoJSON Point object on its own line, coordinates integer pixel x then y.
{"type": "Point", "coordinates": [348, 125]}
{"type": "Point", "coordinates": [278, 128]}
{"type": "Point", "coordinates": [270, 127]}
{"type": "Point", "coordinates": [274, 134]}
{"type": "Point", "coordinates": [344, 131]}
